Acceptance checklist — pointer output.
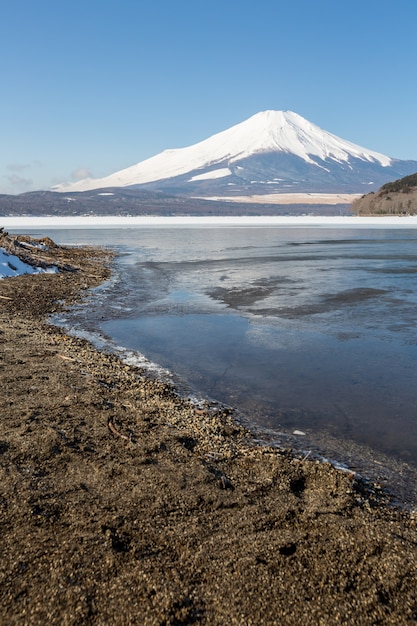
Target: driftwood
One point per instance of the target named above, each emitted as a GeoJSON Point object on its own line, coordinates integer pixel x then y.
{"type": "Point", "coordinates": [114, 430]}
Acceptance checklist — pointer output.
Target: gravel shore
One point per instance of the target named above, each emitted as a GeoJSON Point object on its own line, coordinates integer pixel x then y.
{"type": "Point", "coordinates": [122, 503]}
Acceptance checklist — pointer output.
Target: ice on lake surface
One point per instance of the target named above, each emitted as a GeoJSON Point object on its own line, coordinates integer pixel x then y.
{"type": "Point", "coordinates": [302, 329]}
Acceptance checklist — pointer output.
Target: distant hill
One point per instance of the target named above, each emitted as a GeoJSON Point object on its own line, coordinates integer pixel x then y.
{"type": "Point", "coordinates": [128, 201]}
{"type": "Point", "coordinates": [394, 198]}
{"type": "Point", "coordinates": [109, 201]}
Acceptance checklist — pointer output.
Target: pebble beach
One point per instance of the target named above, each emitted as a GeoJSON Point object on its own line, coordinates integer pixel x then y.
{"type": "Point", "coordinates": [123, 503]}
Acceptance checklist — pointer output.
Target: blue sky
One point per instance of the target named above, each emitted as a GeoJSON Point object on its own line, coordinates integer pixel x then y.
{"type": "Point", "coordinates": [95, 86]}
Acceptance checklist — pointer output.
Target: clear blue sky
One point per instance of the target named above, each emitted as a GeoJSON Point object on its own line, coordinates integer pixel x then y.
{"type": "Point", "coordinates": [98, 85]}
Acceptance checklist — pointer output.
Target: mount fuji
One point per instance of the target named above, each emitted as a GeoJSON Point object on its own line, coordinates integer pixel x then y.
{"type": "Point", "coordinates": [273, 152]}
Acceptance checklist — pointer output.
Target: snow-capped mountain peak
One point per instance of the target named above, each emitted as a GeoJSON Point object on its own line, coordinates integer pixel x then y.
{"type": "Point", "coordinates": [286, 131]}
{"type": "Point", "coordinates": [273, 135]}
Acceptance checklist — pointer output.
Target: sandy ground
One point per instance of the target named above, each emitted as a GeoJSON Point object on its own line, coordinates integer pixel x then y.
{"type": "Point", "coordinates": [120, 503]}
{"type": "Point", "coordinates": [292, 198]}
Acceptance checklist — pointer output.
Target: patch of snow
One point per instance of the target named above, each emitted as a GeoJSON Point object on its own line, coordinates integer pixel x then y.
{"type": "Point", "coordinates": [220, 173]}
{"type": "Point", "coordinates": [21, 224]}
{"type": "Point", "coordinates": [34, 246]}
{"type": "Point", "coordinates": [11, 265]}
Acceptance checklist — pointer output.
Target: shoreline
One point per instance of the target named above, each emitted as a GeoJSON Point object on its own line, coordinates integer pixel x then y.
{"type": "Point", "coordinates": [123, 503]}
{"type": "Point", "coordinates": [112, 221]}
{"type": "Point", "coordinates": [391, 477]}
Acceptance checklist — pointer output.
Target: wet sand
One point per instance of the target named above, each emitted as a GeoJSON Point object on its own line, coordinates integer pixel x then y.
{"type": "Point", "coordinates": [122, 503]}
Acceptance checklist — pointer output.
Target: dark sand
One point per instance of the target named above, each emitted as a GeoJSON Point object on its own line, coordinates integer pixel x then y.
{"type": "Point", "coordinates": [121, 503]}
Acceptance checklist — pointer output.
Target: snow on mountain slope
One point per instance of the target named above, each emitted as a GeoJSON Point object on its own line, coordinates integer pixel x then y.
{"type": "Point", "coordinates": [279, 132]}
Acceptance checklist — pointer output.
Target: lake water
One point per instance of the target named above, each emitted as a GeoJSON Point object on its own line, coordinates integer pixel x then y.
{"type": "Point", "coordinates": [304, 330]}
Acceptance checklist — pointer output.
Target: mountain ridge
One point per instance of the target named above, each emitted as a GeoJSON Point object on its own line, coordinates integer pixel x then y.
{"type": "Point", "coordinates": [125, 201]}
{"type": "Point", "coordinates": [280, 149]}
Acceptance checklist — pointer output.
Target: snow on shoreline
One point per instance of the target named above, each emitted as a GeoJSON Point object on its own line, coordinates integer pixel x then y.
{"type": "Point", "coordinates": [114, 221]}
{"type": "Point", "coordinates": [11, 265]}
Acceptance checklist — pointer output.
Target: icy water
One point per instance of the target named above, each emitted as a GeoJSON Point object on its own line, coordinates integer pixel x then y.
{"type": "Point", "coordinates": [303, 330]}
